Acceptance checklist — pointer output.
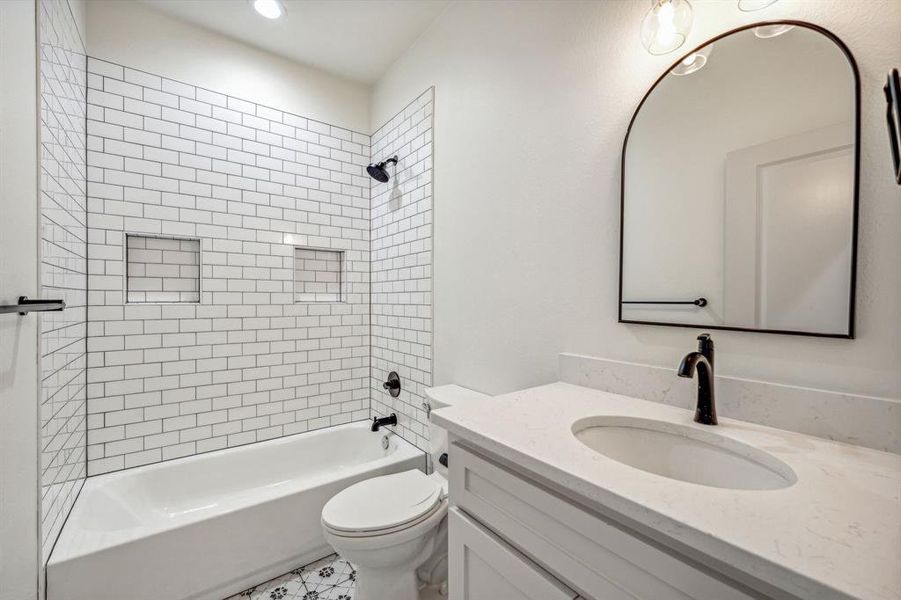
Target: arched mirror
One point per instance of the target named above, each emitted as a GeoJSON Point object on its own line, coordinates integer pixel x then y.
{"type": "Point", "coordinates": [739, 187]}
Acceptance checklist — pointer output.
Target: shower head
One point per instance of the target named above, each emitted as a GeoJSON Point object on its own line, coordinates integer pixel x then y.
{"type": "Point", "coordinates": [378, 171]}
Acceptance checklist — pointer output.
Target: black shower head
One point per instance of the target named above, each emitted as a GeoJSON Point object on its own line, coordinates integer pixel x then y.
{"type": "Point", "coordinates": [378, 171]}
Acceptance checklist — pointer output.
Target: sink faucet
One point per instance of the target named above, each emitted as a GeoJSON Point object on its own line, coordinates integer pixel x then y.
{"type": "Point", "coordinates": [702, 360]}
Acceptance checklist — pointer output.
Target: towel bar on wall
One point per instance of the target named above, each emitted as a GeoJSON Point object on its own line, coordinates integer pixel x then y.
{"type": "Point", "coordinates": [697, 301]}
{"type": "Point", "coordinates": [26, 306]}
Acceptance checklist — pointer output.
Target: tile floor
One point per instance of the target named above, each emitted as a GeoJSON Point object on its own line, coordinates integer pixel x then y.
{"type": "Point", "coordinates": [331, 578]}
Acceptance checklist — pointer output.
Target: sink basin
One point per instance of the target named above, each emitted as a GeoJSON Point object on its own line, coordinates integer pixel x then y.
{"type": "Point", "coordinates": [684, 453]}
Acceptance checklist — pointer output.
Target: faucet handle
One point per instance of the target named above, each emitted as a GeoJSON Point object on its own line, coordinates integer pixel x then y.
{"type": "Point", "coordinates": [705, 346]}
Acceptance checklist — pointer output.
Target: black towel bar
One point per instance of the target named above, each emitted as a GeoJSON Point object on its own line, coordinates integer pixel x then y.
{"type": "Point", "coordinates": [26, 306]}
{"type": "Point", "coordinates": [697, 302]}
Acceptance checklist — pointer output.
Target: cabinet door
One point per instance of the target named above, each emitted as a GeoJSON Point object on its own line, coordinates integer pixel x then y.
{"type": "Point", "coordinates": [484, 567]}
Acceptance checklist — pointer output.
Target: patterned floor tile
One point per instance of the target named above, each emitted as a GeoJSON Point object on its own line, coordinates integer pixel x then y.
{"type": "Point", "coordinates": [331, 578]}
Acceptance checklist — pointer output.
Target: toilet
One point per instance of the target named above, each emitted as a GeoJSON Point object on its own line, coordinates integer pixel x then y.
{"type": "Point", "coordinates": [393, 528]}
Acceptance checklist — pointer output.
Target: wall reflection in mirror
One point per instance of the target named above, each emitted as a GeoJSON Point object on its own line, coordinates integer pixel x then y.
{"type": "Point", "coordinates": [739, 187]}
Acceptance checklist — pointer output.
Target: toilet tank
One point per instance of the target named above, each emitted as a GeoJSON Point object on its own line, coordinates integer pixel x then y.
{"type": "Point", "coordinates": [441, 397]}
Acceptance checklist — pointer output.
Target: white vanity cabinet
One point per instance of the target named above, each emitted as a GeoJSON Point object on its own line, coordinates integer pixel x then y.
{"type": "Point", "coordinates": [483, 567]}
{"type": "Point", "coordinates": [511, 539]}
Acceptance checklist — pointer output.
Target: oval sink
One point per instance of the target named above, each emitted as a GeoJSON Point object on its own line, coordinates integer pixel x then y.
{"type": "Point", "coordinates": [684, 453]}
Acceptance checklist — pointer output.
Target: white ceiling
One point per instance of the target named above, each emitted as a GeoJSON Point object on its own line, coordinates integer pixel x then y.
{"type": "Point", "coordinates": [355, 39]}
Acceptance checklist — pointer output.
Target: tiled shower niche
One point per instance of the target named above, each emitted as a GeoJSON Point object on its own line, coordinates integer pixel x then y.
{"type": "Point", "coordinates": [162, 269]}
{"type": "Point", "coordinates": [318, 275]}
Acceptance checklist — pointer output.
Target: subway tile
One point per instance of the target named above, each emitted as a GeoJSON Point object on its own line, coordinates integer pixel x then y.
{"type": "Point", "coordinates": [247, 363]}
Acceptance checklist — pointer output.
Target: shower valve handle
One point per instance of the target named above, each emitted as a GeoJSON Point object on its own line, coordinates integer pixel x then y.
{"type": "Point", "coordinates": [393, 384]}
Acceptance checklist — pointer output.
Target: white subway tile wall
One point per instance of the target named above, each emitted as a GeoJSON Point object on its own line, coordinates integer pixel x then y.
{"type": "Point", "coordinates": [63, 268]}
{"type": "Point", "coordinates": [160, 269]}
{"type": "Point", "coordinates": [402, 267]}
{"type": "Point", "coordinates": [247, 363]}
{"type": "Point", "coordinates": [318, 275]}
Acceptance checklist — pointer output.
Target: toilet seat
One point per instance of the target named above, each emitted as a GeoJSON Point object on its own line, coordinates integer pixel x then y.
{"type": "Point", "coordinates": [384, 504]}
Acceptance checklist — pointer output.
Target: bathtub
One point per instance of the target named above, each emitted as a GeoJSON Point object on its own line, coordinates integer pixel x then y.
{"type": "Point", "coordinates": [211, 525]}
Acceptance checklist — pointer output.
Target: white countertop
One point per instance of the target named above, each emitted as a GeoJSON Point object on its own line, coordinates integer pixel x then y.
{"type": "Point", "coordinates": [835, 533]}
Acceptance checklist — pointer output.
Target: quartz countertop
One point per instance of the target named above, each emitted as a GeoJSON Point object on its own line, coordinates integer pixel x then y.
{"type": "Point", "coordinates": [833, 534]}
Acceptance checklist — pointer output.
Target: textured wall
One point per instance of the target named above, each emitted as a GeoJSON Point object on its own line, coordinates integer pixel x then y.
{"type": "Point", "coordinates": [402, 267]}
{"type": "Point", "coordinates": [63, 268]}
{"type": "Point", "coordinates": [252, 183]}
{"type": "Point", "coordinates": [535, 98]}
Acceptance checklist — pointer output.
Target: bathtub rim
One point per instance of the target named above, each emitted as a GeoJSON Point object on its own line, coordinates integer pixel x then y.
{"type": "Point", "coordinates": [69, 544]}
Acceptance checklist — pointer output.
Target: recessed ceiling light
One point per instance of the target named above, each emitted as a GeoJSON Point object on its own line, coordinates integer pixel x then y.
{"type": "Point", "coordinates": [271, 9]}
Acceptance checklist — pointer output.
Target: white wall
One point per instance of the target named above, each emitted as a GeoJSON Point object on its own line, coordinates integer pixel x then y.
{"type": "Point", "coordinates": [531, 105]}
{"type": "Point", "coordinates": [130, 34]}
{"type": "Point", "coordinates": [79, 10]}
{"type": "Point", "coordinates": [19, 474]}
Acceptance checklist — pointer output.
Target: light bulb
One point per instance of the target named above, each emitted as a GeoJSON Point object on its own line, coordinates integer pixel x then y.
{"type": "Point", "coordinates": [271, 9]}
{"type": "Point", "coordinates": [666, 25]}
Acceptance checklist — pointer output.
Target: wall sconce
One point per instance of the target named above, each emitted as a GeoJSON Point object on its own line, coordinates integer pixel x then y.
{"type": "Point", "coordinates": [666, 25]}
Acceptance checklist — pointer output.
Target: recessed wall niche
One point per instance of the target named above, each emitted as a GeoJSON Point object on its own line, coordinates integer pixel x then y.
{"type": "Point", "coordinates": [162, 269]}
{"type": "Point", "coordinates": [318, 275]}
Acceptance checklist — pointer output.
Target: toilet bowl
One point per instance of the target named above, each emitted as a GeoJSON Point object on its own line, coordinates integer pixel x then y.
{"type": "Point", "coordinates": [393, 528]}
{"type": "Point", "coordinates": [387, 527]}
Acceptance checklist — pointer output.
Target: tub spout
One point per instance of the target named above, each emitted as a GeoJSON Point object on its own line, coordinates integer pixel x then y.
{"type": "Point", "coordinates": [378, 422]}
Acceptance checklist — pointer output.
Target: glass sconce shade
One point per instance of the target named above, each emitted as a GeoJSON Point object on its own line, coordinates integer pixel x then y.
{"type": "Point", "coordinates": [693, 62]}
{"type": "Point", "coordinates": [666, 25]}
{"type": "Point", "coordinates": [771, 31]}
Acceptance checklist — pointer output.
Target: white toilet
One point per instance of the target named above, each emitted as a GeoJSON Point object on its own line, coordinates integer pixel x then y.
{"type": "Point", "coordinates": [393, 528]}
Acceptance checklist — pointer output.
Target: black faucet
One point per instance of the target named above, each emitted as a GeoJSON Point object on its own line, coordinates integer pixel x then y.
{"type": "Point", "coordinates": [705, 413]}
{"type": "Point", "coordinates": [381, 421]}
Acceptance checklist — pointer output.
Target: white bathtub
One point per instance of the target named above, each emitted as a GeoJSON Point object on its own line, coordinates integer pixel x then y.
{"type": "Point", "coordinates": [212, 525]}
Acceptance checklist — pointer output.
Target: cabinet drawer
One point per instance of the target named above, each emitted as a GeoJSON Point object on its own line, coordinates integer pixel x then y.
{"type": "Point", "coordinates": [483, 567]}
{"type": "Point", "coordinates": [596, 557]}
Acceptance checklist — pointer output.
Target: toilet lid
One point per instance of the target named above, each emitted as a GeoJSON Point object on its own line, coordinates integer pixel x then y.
{"type": "Point", "coordinates": [384, 502]}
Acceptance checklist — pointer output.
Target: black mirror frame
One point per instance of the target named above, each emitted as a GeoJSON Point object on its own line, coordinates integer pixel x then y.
{"type": "Point", "coordinates": [892, 91]}
{"type": "Point", "coordinates": [622, 204]}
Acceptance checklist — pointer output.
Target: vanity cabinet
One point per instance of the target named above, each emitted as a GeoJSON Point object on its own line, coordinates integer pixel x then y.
{"type": "Point", "coordinates": [504, 525]}
{"type": "Point", "coordinates": [483, 566]}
